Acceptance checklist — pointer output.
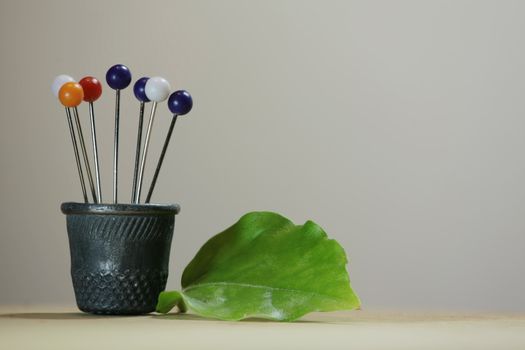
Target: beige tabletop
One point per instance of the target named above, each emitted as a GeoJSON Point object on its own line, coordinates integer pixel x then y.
{"type": "Point", "coordinates": [40, 327]}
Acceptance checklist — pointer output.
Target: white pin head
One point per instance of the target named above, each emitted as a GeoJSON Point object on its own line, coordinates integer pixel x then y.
{"type": "Point", "coordinates": [157, 89]}
{"type": "Point", "coordinates": [59, 81]}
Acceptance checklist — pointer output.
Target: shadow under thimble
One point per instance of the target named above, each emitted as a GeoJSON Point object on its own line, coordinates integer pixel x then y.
{"type": "Point", "coordinates": [119, 255]}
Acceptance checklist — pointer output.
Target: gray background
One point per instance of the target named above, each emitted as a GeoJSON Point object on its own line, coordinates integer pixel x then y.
{"type": "Point", "coordinates": [396, 125]}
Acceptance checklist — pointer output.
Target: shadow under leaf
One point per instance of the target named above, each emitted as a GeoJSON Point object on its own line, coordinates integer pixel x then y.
{"type": "Point", "coordinates": [192, 317]}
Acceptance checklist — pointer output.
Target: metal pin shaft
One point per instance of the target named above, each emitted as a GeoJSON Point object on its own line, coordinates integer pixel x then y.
{"type": "Point", "coordinates": [137, 152]}
{"type": "Point", "coordinates": [95, 150]}
{"type": "Point", "coordinates": [145, 152]}
{"type": "Point", "coordinates": [85, 155]}
{"type": "Point", "coordinates": [161, 159]}
{"type": "Point", "coordinates": [115, 148]}
{"type": "Point", "coordinates": [77, 156]}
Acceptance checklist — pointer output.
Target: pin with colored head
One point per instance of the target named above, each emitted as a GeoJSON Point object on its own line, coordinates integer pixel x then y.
{"type": "Point", "coordinates": [179, 103]}
{"type": "Point", "coordinates": [139, 89]}
{"type": "Point", "coordinates": [67, 100]}
{"type": "Point", "coordinates": [118, 77]}
{"type": "Point", "coordinates": [71, 95]}
{"type": "Point", "coordinates": [92, 91]}
{"type": "Point", "coordinates": [92, 88]}
{"type": "Point", "coordinates": [157, 89]}
{"type": "Point", "coordinates": [59, 81]}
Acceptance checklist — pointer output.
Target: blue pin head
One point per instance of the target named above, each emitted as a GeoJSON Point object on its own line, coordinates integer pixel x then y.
{"type": "Point", "coordinates": [180, 102]}
{"type": "Point", "coordinates": [118, 77]}
{"type": "Point", "coordinates": [139, 89]}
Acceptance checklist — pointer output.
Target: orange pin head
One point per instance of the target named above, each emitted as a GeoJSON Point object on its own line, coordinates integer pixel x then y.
{"type": "Point", "coordinates": [71, 94]}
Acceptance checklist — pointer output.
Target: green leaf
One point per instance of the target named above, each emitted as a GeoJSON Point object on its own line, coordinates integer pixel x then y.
{"type": "Point", "coordinates": [265, 266]}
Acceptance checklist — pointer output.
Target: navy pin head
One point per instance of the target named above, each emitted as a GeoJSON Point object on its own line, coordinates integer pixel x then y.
{"type": "Point", "coordinates": [118, 77]}
{"type": "Point", "coordinates": [180, 102]}
{"type": "Point", "coordinates": [139, 89]}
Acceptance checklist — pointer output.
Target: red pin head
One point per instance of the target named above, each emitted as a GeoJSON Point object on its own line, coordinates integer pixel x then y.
{"type": "Point", "coordinates": [92, 88]}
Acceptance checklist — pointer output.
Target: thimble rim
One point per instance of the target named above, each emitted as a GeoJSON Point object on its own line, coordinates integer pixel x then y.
{"type": "Point", "coordinates": [74, 208]}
